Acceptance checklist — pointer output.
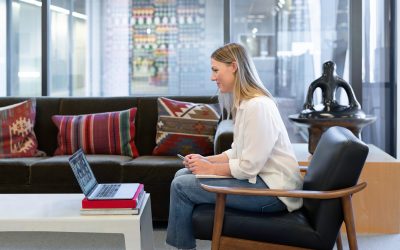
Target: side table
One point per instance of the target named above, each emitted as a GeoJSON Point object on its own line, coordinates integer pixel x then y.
{"type": "Point", "coordinates": [377, 207]}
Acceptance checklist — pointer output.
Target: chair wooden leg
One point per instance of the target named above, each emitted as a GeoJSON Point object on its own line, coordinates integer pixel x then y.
{"type": "Point", "coordinates": [339, 244]}
{"type": "Point", "coordinates": [218, 221]}
{"type": "Point", "coordinates": [349, 221]}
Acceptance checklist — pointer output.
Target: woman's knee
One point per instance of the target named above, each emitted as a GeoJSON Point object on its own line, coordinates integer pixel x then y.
{"type": "Point", "coordinates": [182, 171]}
{"type": "Point", "coordinates": [181, 182]}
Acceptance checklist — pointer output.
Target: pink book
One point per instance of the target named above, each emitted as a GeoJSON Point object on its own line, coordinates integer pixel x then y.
{"type": "Point", "coordinates": [131, 203]}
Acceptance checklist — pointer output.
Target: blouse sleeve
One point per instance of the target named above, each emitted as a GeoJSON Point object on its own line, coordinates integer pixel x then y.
{"type": "Point", "coordinates": [259, 134]}
{"type": "Point", "coordinates": [230, 152]}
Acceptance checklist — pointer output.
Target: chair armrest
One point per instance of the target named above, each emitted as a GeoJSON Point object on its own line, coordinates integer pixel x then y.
{"type": "Point", "coordinates": [286, 193]}
{"type": "Point", "coordinates": [303, 169]}
{"type": "Point", "coordinates": [223, 136]}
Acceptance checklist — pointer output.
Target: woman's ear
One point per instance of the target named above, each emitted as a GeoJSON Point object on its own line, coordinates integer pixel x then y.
{"type": "Point", "coordinates": [234, 66]}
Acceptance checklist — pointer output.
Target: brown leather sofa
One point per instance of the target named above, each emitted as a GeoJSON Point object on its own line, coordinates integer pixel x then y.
{"type": "Point", "coordinates": [52, 174]}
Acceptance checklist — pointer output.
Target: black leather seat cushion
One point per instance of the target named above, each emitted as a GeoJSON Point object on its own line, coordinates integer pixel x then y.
{"type": "Point", "coordinates": [156, 173]}
{"type": "Point", "coordinates": [56, 170]}
{"type": "Point", "coordinates": [16, 170]}
{"type": "Point", "coordinates": [268, 227]}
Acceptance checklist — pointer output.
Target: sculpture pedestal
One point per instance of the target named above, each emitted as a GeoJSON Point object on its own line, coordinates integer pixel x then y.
{"type": "Point", "coordinates": [317, 126]}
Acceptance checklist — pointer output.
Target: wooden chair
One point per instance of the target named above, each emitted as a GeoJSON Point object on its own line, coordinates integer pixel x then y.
{"type": "Point", "coordinates": [329, 183]}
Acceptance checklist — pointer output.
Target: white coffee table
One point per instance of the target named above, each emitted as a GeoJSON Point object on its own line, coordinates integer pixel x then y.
{"type": "Point", "coordinates": [60, 213]}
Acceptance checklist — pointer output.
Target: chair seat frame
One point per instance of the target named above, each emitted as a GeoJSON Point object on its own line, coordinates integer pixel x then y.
{"type": "Point", "coordinates": [222, 242]}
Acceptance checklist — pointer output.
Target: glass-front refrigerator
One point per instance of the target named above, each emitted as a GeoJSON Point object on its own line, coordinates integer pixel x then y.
{"type": "Point", "coordinates": [171, 43]}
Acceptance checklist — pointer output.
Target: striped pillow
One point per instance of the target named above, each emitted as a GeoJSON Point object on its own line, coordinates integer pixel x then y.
{"type": "Point", "coordinates": [102, 133]}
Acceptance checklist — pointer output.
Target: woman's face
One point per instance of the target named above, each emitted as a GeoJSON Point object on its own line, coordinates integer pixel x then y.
{"type": "Point", "coordinates": [224, 75]}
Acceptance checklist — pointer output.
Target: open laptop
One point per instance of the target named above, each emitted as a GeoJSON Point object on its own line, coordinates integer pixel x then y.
{"type": "Point", "coordinates": [93, 190]}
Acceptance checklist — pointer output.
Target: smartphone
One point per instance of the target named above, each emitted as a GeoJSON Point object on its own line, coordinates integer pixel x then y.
{"type": "Point", "coordinates": [181, 156]}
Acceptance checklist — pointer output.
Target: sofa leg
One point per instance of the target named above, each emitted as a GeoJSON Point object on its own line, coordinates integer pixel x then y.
{"type": "Point", "coordinates": [218, 221]}
{"type": "Point", "coordinates": [349, 221]}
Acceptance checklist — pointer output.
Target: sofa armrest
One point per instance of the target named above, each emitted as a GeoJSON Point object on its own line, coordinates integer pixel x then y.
{"type": "Point", "coordinates": [223, 136]}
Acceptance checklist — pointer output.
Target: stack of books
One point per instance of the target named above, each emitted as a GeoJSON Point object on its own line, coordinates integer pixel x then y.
{"type": "Point", "coordinates": [116, 207]}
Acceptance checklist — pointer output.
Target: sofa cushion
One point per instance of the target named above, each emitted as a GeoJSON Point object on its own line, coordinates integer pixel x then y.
{"type": "Point", "coordinates": [17, 137]}
{"type": "Point", "coordinates": [102, 133]}
{"type": "Point", "coordinates": [151, 169]}
{"type": "Point", "coordinates": [57, 171]}
{"type": "Point", "coordinates": [156, 173]}
{"type": "Point", "coordinates": [185, 127]}
{"type": "Point", "coordinates": [16, 170]}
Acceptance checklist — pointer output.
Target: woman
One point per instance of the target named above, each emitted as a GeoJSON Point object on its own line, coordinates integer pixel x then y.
{"type": "Point", "coordinates": [261, 155]}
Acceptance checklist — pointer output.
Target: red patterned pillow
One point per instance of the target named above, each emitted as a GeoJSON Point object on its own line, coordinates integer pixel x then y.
{"type": "Point", "coordinates": [101, 133]}
{"type": "Point", "coordinates": [17, 138]}
{"type": "Point", "coordinates": [185, 127]}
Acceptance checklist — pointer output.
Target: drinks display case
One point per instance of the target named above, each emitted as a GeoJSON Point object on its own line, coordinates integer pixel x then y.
{"type": "Point", "coordinates": [166, 35]}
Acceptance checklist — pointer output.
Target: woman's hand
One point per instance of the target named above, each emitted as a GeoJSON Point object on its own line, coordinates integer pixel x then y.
{"type": "Point", "coordinates": [199, 165]}
{"type": "Point", "coordinates": [191, 157]}
{"type": "Point", "coordinates": [194, 156]}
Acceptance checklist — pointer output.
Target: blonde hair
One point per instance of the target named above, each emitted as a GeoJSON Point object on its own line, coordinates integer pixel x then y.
{"type": "Point", "coordinates": [247, 82]}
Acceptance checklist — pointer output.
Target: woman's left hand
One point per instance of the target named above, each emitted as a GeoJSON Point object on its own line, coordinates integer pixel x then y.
{"type": "Point", "coordinates": [201, 166]}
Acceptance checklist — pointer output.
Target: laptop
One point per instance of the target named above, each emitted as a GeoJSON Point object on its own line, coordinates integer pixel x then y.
{"type": "Point", "coordinates": [93, 190]}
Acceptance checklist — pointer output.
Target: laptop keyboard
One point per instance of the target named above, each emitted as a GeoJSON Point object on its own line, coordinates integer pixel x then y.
{"type": "Point", "coordinates": [108, 190]}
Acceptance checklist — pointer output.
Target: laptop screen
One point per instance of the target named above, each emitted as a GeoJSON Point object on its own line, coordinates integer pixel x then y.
{"type": "Point", "coordinates": [82, 172]}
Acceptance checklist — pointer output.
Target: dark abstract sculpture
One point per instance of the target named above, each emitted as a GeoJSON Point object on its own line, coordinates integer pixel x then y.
{"type": "Point", "coordinates": [329, 83]}
{"type": "Point", "coordinates": [318, 120]}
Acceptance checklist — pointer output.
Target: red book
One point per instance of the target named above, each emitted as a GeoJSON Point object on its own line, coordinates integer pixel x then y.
{"type": "Point", "coordinates": [132, 203]}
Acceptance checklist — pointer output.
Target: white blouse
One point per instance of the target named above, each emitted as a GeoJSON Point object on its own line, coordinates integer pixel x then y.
{"type": "Point", "coordinates": [261, 146]}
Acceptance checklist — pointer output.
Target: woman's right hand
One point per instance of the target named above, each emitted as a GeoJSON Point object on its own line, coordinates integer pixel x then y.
{"type": "Point", "coordinates": [194, 156]}
{"type": "Point", "coordinates": [191, 157]}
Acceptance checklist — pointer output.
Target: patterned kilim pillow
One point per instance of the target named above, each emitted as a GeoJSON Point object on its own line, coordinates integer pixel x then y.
{"type": "Point", "coordinates": [185, 127]}
{"type": "Point", "coordinates": [101, 133]}
{"type": "Point", "coordinates": [17, 138]}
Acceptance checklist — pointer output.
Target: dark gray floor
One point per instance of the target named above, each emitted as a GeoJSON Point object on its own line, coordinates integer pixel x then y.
{"type": "Point", "coordinates": [76, 241]}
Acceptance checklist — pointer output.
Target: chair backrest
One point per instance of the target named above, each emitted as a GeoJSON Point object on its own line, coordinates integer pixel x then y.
{"type": "Point", "coordinates": [336, 163]}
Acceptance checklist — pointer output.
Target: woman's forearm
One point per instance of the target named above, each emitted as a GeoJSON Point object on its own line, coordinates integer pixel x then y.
{"type": "Point", "coordinates": [222, 169]}
{"type": "Point", "coordinates": [220, 158]}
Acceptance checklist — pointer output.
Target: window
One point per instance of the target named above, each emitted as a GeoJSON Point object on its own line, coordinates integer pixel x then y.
{"type": "Point", "coordinates": [154, 47]}
{"type": "Point", "coordinates": [171, 46]}
{"type": "Point", "coordinates": [26, 48]}
{"type": "Point", "coordinates": [68, 48]}
{"type": "Point", "coordinates": [3, 66]}
{"type": "Point", "coordinates": [377, 86]}
{"type": "Point", "coordinates": [109, 42]}
{"type": "Point", "coordinates": [289, 41]}
{"type": "Point", "coordinates": [163, 47]}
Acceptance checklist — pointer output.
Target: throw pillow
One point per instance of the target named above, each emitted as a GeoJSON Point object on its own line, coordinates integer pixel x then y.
{"type": "Point", "coordinates": [101, 133]}
{"type": "Point", "coordinates": [185, 127]}
{"type": "Point", "coordinates": [17, 138]}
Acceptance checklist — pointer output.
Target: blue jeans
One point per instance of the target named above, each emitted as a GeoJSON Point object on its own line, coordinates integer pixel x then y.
{"type": "Point", "coordinates": [186, 192]}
